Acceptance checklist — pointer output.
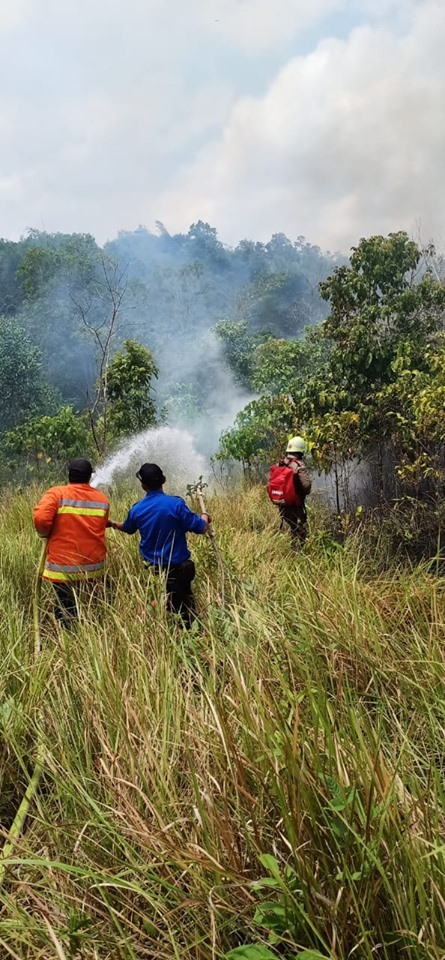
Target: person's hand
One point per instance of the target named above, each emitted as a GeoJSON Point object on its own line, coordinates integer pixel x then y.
{"type": "Point", "coordinates": [206, 516]}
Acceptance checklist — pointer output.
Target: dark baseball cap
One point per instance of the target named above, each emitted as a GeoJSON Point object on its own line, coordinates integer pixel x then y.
{"type": "Point", "coordinates": [79, 471]}
{"type": "Point", "coordinates": [151, 475]}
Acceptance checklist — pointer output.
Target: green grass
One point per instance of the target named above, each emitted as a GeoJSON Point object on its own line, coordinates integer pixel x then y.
{"type": "Point", "coordinates": [275, 779]}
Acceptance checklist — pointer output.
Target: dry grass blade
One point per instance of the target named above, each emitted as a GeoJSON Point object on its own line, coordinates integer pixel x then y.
{"type": "Point", "coordinates": [272, 778]}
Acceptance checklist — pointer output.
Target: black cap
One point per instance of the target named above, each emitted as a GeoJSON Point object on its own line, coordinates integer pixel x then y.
{"type": "Point", "coordinates": [151, 476]}
{"type": "Point", "coordinates": [79, 471]}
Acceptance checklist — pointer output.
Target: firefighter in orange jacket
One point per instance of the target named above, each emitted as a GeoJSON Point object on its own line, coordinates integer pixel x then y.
{"type": "Point", "coordinates": [73, 518]}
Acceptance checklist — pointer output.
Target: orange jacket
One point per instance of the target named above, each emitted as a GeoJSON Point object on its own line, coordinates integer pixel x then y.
{"type": "Point", "coordinates": [74, 518]}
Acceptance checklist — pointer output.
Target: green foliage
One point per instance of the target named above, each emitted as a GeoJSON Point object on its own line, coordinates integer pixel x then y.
{"type": "Point", "coordinates": [69, 258]}
{"type": "Point", "coordinates": [168, 291]}
{"type": "Point", "coordinates": [58, 275]}
{"type": "Point", "coordinates": [382, 332]}
{"type": "Point", "coordinates": [259, 430]}
{"type": "Point", "coordinates": [368, 383]}
{"type": "Point", "coordinates": [279, 366]}
{"type": "Point", "coordinates": [251, 952]}
{"type": "Point", "coordinates": [11, 291]}
{"type": "Point", "coordinates": [380, 271]}
{"type": "Point", "coordinates": [46, 444]}
{"type": "Point", "coordinates": [414, 410]}
{"type": "Point", "coordinates": [129, 376]}
{"type": "Point", "coordinates": [239, 347]}
{"type": "Point", "coordinates": [183, 402]}
{"type": "Point", "coordinates": [375, 308]}
{"type": "Point", "coordinates": [24, 388]}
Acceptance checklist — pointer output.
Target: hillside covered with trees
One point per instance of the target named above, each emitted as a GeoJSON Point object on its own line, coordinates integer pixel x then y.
{"type": "Point", "coordinates": [77, 322]}
{"type": "Point", "coordinates": [259, 341]}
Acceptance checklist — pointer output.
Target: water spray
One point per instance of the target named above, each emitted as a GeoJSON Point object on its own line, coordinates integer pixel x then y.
{"type": "Point", "coordinates": [171, 448]}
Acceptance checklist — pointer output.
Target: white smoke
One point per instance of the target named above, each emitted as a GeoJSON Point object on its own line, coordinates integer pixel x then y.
{"type": "Point", "coordinates": [343, 143]}
{"type": "Point", "coordinates": [172, 449]}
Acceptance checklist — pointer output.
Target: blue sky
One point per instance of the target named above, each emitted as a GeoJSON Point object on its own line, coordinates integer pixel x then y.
{"type": "Point", "coordinates": [323, 118]}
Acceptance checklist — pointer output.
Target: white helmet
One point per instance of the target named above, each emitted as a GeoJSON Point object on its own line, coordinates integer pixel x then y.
{"type": "Point", "coordinates": [296, 445]}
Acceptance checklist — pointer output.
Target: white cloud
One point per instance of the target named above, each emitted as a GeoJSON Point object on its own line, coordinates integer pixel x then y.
{"type": "Point", "coordinates": [12, 13]}
{"type": "Point", "coordinates": [256, 25]}
{"type": "Point", "coordinates": [103, 108]}
{"type": "Point", "coordinates": [112, 115]}
{"type": "Point", "coordinates": [347, 141]}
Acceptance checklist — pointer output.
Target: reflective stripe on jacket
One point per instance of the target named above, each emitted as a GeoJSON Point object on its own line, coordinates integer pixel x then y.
{"type": "Point", "coordinates": [74, 518]}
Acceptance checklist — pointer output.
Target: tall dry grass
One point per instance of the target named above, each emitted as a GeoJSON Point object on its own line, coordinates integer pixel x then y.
{"type": "Point", "coordinates": [271, 780]}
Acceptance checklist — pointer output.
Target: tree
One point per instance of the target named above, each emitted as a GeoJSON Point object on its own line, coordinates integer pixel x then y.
{"type": "Point", "coordinates": [77, 302]}
{"type": "Point", "coordinates": [11, 292]}
{"type": "Point", "coordinates": [99, 307]}
{"type": "Point", "coordinates": [184, 293]}
{"type": "Point", "coordinates": [239, 348]}
{"type": "Point", "coordinates": [129, 379]}
{"type": "Point", "coordinates": [279, 365]}
{"type": "Point", "coordinates": [355, 384]}
{"type": "Point", "coordinates": [258, 433]}
{"type": "Point", "coordinates": [25, 390]}
{"type": "Point", "coordinates": [203, 239]}
{"type": "Point", "coordinates": [47, 444]}
{"type": "Point", "coordinates": [56, 272]}
{"type": "Point", "coordinates": [383, 306]}
{"type": "Point", "coordinates": [376, 303]}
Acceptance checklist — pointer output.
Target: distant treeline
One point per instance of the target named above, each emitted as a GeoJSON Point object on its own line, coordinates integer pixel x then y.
{"type": "Point", "coordinates": [166, 291]}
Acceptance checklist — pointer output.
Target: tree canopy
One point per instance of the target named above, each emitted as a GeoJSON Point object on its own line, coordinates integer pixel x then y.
{"type": "Point", "coordinates": [367, 383]}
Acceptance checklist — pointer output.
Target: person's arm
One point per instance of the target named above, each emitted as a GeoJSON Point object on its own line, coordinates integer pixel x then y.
{"type": "Point", "coordinates": [115, 525]}
{"type": "Point", "coordinates": [303, 483]}
{"type": "Point", "coordinates": [129, 525]}
{"type": "Point", "coordinates": [192, 522]}
{"type": "Point", "coordinates": [45, 513]}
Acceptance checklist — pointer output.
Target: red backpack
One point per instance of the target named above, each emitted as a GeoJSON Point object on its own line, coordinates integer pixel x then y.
{"type": "Point", "coordinates": [281, 487]}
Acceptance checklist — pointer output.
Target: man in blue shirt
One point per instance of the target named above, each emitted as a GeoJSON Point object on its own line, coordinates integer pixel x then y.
{"type": "Point", "coordinates": [162, 522]}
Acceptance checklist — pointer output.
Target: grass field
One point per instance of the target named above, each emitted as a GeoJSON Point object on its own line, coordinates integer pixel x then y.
{"type": "Point", "coordinates": [271, 785]}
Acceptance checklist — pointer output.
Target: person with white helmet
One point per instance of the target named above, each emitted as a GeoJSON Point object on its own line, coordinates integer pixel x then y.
{"type": "Point", "coordinates": [289, 485]}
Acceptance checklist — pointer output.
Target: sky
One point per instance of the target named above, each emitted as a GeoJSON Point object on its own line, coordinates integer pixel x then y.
{"type": "Point", "coordinates": [320, 118]}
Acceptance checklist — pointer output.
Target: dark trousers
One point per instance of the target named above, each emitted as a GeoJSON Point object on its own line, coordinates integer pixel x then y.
{"type": "Point", "coordinates": [180, 597]}
{"type": "Point", "coordinates": [296, 519]}
{"type": "Point", "coordinates": [65, 608]}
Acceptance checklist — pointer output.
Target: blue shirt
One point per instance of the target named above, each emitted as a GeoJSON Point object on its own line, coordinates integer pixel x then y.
{"type": "Point", "coordinates": [163, 522]}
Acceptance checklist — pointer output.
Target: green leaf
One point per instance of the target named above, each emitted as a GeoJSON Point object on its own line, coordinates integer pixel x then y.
{"type": "Point", "coordinates": [254, 952]}
{"type": "Point", "coordinates": [7, 709]}
{"type": "Point", "coordinates": [266, 882]}
{"type": "Point", "coordinates": [310, 955]}
{"type": "Point", "coordinates": [271, 864]}
{"type": "Point", "coordinates": [272, 916]}
{"type": "Point", "coordinates": [251, 952]}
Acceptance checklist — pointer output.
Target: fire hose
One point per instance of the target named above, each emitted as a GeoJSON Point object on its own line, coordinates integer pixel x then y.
{"type": "Point", "coordinates": [219, 557]}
